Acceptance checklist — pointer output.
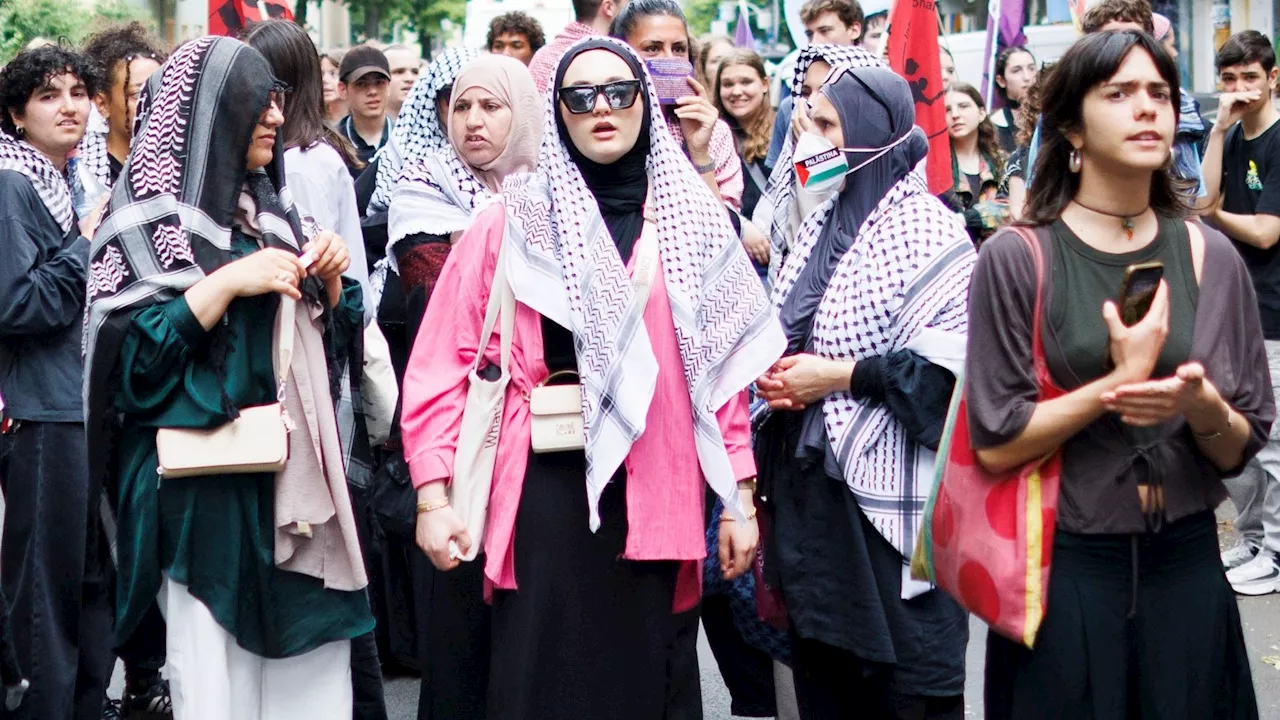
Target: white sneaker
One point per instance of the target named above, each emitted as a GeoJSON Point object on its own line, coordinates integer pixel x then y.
{"type": "Point", "coordinates": [1259, 576]}
{"type": "Point", "coordinates": [1239, 555]}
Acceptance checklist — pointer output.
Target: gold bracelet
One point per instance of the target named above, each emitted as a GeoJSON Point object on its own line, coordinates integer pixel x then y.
{"type": "Point", "coordinates": [729, 518]}
{"type": "Point", "coordinates": [431, 506]}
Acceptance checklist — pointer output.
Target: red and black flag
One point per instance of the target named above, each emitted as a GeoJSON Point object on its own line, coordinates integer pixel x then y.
{"type": "Point", "coordinates": [913, 54]}
{"type": "Point", "coordinates": [229, 17]}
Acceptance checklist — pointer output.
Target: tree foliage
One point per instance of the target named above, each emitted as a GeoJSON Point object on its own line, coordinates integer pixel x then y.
{"type": "Point", "coordinates": [378, 18]}
{"type": "Point", "coordinates": [22, 21]}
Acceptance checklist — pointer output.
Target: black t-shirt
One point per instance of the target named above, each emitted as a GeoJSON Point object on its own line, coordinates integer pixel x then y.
{"type": "Point", "coordinates": [366, 151]}
{"type": "Point", "coordinates": [1251, 185]}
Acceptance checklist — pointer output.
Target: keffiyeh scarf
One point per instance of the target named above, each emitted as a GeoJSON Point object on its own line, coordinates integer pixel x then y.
{"type": "Point", "coordinates": [437, 195]}
{"type": "Point", "coordinates": [777, 211]}
{"type": "Point", "coordinates": [565, 265]}
{"type": "Point", "coordinates": [92, 152]}
{"type": "Point", "coordinates": [902, 285]}
{"type": "Point", "coordinates": [50, 184]}
{"type": "Point", "coordinates": [417, 132]}
{"type": "Point", "coordinates": [170, 217]}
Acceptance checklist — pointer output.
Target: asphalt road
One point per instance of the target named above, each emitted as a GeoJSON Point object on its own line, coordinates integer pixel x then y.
{"type": "Point", "coordinates": [1260, 616]}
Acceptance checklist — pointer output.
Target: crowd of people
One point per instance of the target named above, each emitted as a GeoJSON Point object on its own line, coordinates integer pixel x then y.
{"type": "Point", "coordinates": [518, 369]}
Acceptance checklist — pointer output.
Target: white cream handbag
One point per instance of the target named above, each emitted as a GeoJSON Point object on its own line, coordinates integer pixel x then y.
{"type": "Point", "coordinates": [255, 442]}
{"type": "Point", "coordinates": [556, 423]}
{"type": "Point", "coordinates": [482, 416]}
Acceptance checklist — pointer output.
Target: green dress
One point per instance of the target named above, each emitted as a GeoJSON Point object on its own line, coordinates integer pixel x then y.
{"type": "Point", "coordinates": [215, 534]}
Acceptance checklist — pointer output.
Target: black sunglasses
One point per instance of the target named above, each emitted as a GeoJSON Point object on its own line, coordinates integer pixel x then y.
{"type": "Point", "coordinates": [581, 99]}
{"type": "Point", "coordinates": [279, 92]}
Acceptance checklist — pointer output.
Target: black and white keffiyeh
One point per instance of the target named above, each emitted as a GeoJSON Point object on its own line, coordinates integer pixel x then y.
{"type": "Point", "coordinates": [92, 152]}
{"type": "Point", "coordinates": [564, 264]}
{"type": "Point", "coordinates": [777, 211]}
{"type": "Point", "coordinates": [904, 284]}
{"type": "Point", "coordinates": [169, 220]}
{"type": "Point", "coordinates": [50, 184]}
{"type": "Point", "coordinates": [436, 195]}
{"type": "Point", "coordinates": [417, 132]}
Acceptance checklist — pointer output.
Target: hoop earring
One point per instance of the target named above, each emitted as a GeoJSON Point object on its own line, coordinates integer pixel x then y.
{"type": "Point", "coordinates": [1073, 162]}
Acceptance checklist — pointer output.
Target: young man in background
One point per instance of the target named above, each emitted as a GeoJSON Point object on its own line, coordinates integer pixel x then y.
{"type": "Point", "coordinates": [517, 35]}
{"type": "Point", "coordinates": [1242, 172]}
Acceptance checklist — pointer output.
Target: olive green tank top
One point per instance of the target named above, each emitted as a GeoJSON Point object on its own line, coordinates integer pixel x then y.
{"type": "Point", "coordinates": [1085, 277]}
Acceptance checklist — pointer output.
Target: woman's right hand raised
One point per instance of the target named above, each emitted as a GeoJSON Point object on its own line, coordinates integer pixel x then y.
{"type": "Point", "coordinates": [1134, 350]}
{"type": "Point", "coordinates": [265, 271]}
{"type": "Point", "coordinates": [435, 531]}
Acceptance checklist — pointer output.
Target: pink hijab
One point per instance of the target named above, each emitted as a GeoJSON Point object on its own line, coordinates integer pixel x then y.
{"type": "Point", "coordinates": [508, 80]}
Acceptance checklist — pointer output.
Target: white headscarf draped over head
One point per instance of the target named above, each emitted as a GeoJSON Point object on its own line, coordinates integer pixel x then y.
{"type": "Point", "coordinates": [564, 263]}
{"type": "Point", "coordinates": [778, 212]}
{"type": "Point", "coordinates": [439, 194]}
{"type": "Point", "coordinates": [417, 132]}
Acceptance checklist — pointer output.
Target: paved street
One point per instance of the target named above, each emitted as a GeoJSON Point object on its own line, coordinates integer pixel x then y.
{"type": "Point", "coordinates": [1261, 617]}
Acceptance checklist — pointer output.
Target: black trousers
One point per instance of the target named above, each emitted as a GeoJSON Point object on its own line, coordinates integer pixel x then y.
{"type": "Point", "coordinates": [1138, 627]}
{"type": "Point", "coordinates": [453, 624]}
{"type": "Point", "coordinates": [55, 572]}
{"type": "Point", "coordinates": [143, 652]}
{"type": "Point", "coordinates": [832, 684]}
{"type": "Point", "coordinates": [747, 671]}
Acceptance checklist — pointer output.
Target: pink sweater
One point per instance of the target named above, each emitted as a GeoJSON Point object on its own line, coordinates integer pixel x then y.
{"type": "Point", "coordinates": [665, 485]}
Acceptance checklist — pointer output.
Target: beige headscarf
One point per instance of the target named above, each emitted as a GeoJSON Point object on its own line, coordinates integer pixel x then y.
{"type": "Point", "coordinates": [510, 82]}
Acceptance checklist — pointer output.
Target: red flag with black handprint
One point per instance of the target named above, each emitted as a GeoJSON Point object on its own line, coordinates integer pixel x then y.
{"type": "Point", "coordinates": [913, 54]}
{"type": "Point", "coordinates": [229, 17]}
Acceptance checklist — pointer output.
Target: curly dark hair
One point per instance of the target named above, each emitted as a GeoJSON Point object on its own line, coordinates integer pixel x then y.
{"type": "Point", "coordinates": [517, 23]}
{"type": "Point", "coordinates": [31, 70]}
{"type": "Point", "coordinates": [117, 44]}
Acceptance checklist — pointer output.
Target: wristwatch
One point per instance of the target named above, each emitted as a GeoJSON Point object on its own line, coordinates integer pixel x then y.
{"type": "Point", "coordinates": [749, 484]}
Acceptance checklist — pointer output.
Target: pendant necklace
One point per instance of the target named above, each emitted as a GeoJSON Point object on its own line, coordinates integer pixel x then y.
{"type": "Point", "coordinates": [1127, 222]}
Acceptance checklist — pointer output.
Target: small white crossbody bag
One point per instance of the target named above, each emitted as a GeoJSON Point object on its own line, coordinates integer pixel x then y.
{"type": "Point", "coordinates": [257, 441]}
{"type": "Point", "coordinates": [556, 410]}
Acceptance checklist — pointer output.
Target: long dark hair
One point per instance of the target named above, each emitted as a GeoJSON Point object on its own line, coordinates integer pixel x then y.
{"type": "Point", "coordinates": [625, 22]}
{"type": "Point", "coordinates": [296, 63]}
{"type": "Point", "coordinates": [1002, 64]}
{"type": "Point", "coordinates": [1091, 61]}
{"type": "Point", "coordinates": [988, 142]}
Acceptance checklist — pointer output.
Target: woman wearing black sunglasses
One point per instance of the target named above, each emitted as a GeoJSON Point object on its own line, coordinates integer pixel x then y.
{"type": "Point", "coordinates": [591, 552]}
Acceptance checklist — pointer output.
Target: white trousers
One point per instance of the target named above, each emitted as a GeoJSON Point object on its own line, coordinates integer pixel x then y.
{"type": "Point", "coordinates": [213, 678]}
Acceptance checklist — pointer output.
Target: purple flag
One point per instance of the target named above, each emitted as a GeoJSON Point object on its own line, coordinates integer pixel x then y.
{"type": "Point", "coordinates": [1004, 29]}
{"type": "Point", "coordinates": [742, 36]}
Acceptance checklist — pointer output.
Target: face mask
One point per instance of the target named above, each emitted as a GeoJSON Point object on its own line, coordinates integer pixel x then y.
{"type": "Point", "coordinates": [821, 166]}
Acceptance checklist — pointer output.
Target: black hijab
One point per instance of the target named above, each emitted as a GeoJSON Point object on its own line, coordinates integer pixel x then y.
{"type": "Point", "coordinates": [621, 187]}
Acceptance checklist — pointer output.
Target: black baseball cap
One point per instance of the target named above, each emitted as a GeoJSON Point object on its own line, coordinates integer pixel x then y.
{"type": "Point", "coordinates": [361, 60]}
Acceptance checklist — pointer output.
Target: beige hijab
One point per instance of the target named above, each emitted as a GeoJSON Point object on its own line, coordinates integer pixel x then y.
{"type": "Point", "coordinates": [509, 81]}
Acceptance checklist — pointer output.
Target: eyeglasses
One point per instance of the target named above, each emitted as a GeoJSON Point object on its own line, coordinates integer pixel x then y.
{"type": "Point", "coordinates": [581, 99]}
{"type": "Point", "coordinates": [279, 91]}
